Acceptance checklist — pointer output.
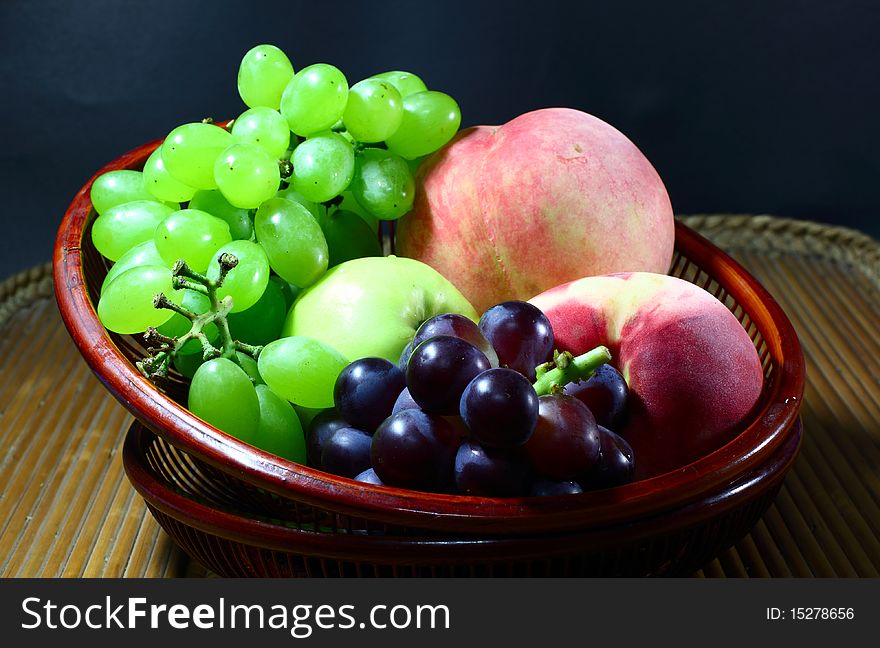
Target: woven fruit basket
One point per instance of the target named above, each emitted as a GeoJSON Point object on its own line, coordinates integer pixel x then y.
{"type": "Point", "coordinates": [243, 512]}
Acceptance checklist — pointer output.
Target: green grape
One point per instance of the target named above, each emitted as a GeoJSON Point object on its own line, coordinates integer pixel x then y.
{"type": "Point", "coordinates": [262, 322]}
{"type": "Point", "coordinates": [189, 153]}
{"type": "Point", "coordinates": [314, 99]}
{"type": "Point", "coordinates": [263, 127]}
{"type": "Point", "coordinates": [140, 255]}
{"type": "Point", "coordinates": [280, 431]}
{"type": "Point", "coordinates": [406, 83]}
{"type": "Point", "coordinates": [246, 282]}
{"type": "Point", "coordinates": [322, 166]}
{"type": "Point", "coordinates": [293, 241]}
{"type": "Point", "coordinates": [246, 175]}
{"type": "Point", "coordinates": [383, 184]}
{"type": "Point", "coordinates": [344, 133]}
{"type": "Point", "coordinates": [374, 110]}
{"type": "Point", "coordinates": [250, 367]}
{"type": "Point", "coordinates": [179, 325]}
{"type": "Point", "coordinates": [318, 210]}
{"type": "Point", "coordinates": [222, 394]}
{"type": "Point", "coordinates": [126, 305]}
{"type": "Point", "coordinates": [187, 364]}
{"type": "Point", "coordinates": [262, 76]}
{"type": "Point", "coordinates": [191, 235]}
{"type": "Point", "coordinates": [349, 237]}
{"type": "Point", "coordinates": [430, 119]}
{"type": "Point", "coordinates": [301, 369]}
{"type": "Point", "coordinates": [289, 291]}
{"type": "Point", "coordinates": [294, 142]}
{"type": "Point", "coordinates": [119, 187]}
{"type": "Point", "coordinates": [161, 184]}
{"type": "Point", "coordinates": [306, 414]}
{"type": "Point", "coordinates": [350, 203]}
{"type": "Point", "coordinates": [212, 201]}
{"type": "Point", "coordinates": [124, 226]}
{"type": "Point", "coordinates": [415, 163]}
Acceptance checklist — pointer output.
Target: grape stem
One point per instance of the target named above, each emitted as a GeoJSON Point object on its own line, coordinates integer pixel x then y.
{"type": "Point", "coordinates": [162, 301]}
{"type": "Point", "coordinates": [285, 168]}
{"type": "Point", "coordinates": [163, 348]}
{"type": "Point", "coordinates": [553, 376]}
{"type": "Point", "coordinates": [332, 205]}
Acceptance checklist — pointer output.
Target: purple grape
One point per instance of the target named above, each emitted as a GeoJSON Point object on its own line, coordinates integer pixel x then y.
{"type": "Point", "coordinates": [616, 465]}
{"type": "Point", "coordinates": [405, 354]}
{"type": "Point", "coordinates": [414, 449]}
{"type": "Point", "coordinates": [492, 472]}
{"type": "Point", "coordinates": [565, 443]}
{"type": "Point", "coordinates": [404, 401]}
{"type": "Point", "coordinates": [438, 371]}
{"type": "Point", "coordinates": [546, 487]}
{"type": "Point", "coordinates": [521, 335]}
{"type": "Point", "coordinates": [450, 324]}
{"type": "Point", "coordinates": [500, 408]}
{"type": "Point", "coordinates": [369, 476]}
{"type": "Point", "coordinates": [347, 452]}
{"type": "Point", "coordinates": [605, 393]}
{"type": "Point", "coordinates": [319, 430]}
{"type": "Point", "coordinates": [365, 392]}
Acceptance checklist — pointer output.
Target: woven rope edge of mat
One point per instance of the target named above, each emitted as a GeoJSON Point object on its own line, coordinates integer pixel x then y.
{"type": "Point", "coordinates": [19, 290]}
{"type": "Point", "coordinates": [776, 235]}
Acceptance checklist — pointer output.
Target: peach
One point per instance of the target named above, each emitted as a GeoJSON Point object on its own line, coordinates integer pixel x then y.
{"type": "Point", "coordinates": [505, 212]}
{"type": "Point", "coordinates": [693, 372]}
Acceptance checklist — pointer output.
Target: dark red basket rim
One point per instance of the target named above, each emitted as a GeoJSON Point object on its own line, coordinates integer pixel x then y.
{"type": "Point", "coordinates": [257, 531]}
{"type": "Point", "coordinates": [771, 423]}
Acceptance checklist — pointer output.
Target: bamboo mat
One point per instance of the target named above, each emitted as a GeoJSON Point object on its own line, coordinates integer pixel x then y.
{"type": "Point", "coordinates": [67, 509]}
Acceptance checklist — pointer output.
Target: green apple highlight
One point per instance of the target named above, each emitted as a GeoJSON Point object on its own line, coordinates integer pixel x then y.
{"type": "Point", "coordinates": [372, 306]}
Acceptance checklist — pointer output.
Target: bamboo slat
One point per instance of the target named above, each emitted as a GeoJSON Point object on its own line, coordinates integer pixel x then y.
{"type": "Point", "coordinates": [66, 507]}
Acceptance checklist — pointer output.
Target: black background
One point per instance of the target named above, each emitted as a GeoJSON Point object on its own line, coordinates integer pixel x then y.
{"type": "Point", "coordinates": [747, 107]}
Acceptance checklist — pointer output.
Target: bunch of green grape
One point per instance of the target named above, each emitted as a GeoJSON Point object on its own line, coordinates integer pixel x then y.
{"type": "Point", "coordinates": [294, 185]}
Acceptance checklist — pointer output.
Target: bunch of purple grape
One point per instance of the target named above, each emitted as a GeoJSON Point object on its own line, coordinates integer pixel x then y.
{"type": "Point", "coordinates": [462, 412]}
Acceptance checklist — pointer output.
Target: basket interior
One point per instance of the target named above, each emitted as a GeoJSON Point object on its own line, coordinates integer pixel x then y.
{"type": "Point", "coordinates": [179, 460]}
{"type": "Point", "coordinates": [222, 487]}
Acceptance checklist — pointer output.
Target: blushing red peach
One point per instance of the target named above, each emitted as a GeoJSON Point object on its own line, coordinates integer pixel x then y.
{"type": "Point", "coordinates": [505, 212]}
{"type": "Point", "coordinates": [693, 372]}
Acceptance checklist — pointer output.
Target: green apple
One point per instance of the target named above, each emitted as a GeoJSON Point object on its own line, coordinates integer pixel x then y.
{"type": "Point", "coordinates": [371, 307]}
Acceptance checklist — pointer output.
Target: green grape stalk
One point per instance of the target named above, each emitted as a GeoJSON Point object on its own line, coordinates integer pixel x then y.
{"type": "Point", "coordinates": [163, 349]}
